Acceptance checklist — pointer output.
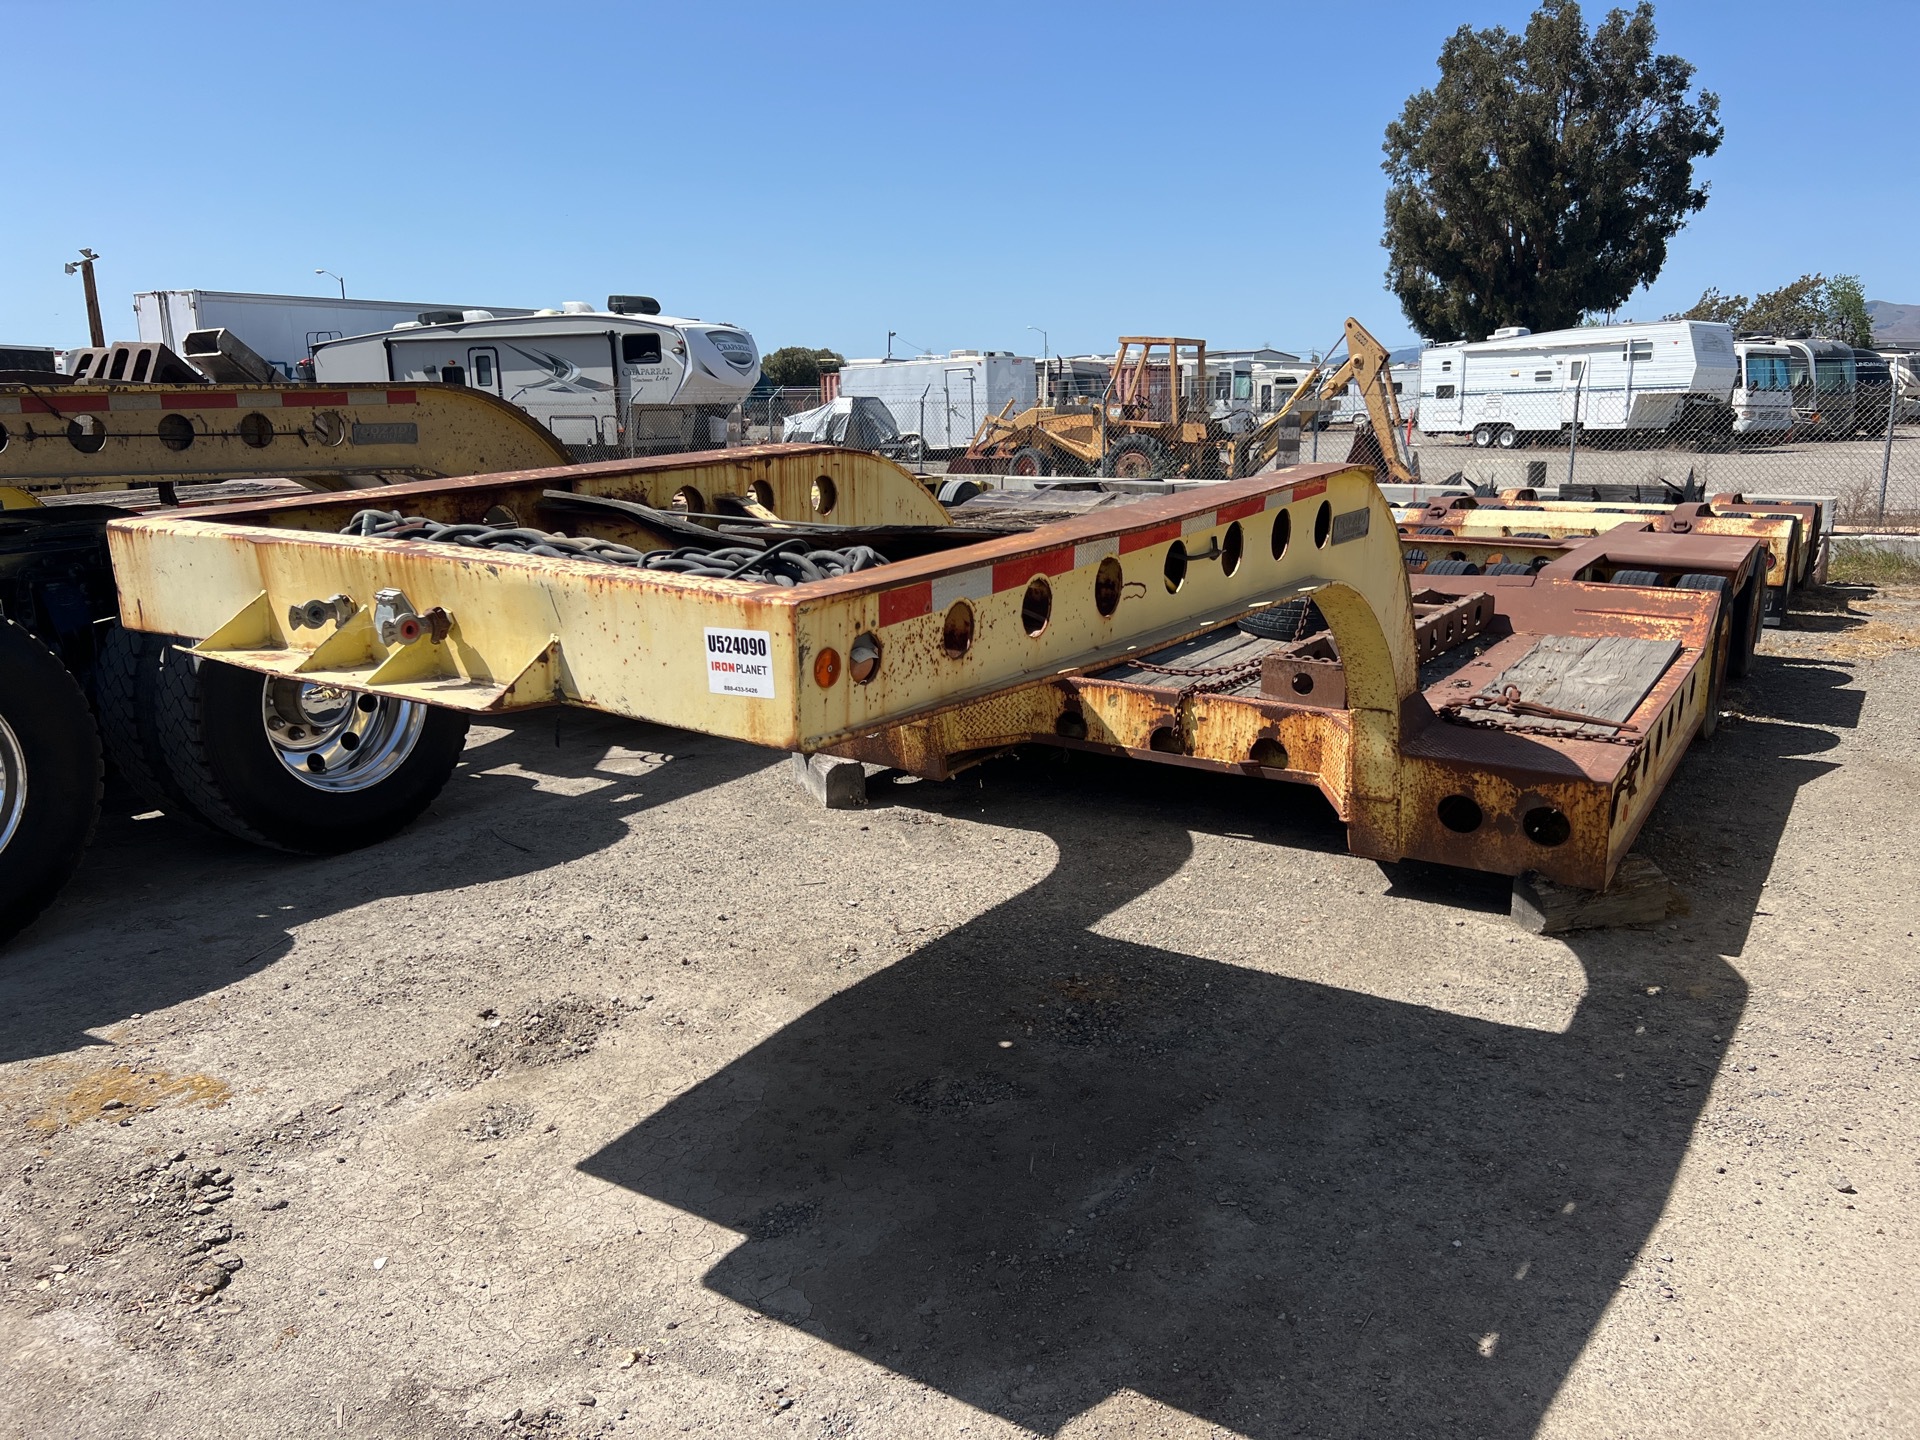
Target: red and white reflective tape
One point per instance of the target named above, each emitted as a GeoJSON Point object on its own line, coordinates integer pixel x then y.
{"type": "Point", "coordinates": [927, 597]}
{"type": "Point", "coordinates": [61, 403]}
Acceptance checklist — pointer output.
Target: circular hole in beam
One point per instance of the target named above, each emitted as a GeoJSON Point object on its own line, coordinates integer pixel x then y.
{"type": "Point", "coordinates": [1107, 581]}
{"type": "Point", "coordinates": [1036, 606]}
{"type": "Point", "coordinates": [87, 434]}
{"type": "Point", "coordinates": [1269, 752]}
{"type": "Point", "coordinates": [175, 431]}
{"type": "Point", "coordinates": [1546, 826]}
{"type": "Point", "coordinates": [863, 657]}
{"type": "Point", "coordinates": [956, 630]}
{"type": "Point", "coordinates": [1175, 570]}
{"type": "Point", "coordinates": [1460, 814]}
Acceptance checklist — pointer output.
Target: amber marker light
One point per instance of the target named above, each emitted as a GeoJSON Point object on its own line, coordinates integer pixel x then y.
{"type": "Point", "coordinates": [826, 668]}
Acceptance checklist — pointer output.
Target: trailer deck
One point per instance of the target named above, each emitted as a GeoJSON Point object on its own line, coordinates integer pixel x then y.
{"type": "Point", "coordinates": [1790, 533]}
{"type": "Point", "coordinates": [1418, 716]}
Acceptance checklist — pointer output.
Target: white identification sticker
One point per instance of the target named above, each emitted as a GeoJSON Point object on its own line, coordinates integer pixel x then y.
{"type": "Point", "coordinates": [740, 662]}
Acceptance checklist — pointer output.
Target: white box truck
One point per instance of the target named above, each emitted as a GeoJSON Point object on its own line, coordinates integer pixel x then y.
{"type": "Point", "coordinates": [943, 398]}
{"type": "Point", "coordinates": [1516, 387]}
{"type": "Point", "coordinates": [282, 329]}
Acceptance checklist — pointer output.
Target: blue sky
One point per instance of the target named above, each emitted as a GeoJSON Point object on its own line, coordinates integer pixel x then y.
{"type": "Point", "coordinates": [823, 174]}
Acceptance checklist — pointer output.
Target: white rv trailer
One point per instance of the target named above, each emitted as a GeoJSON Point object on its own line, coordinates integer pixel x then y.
{"type": "Point", "coordinates": [621, 381]}
{"type": "Point", "coordinates": [282, 328]}
{"type": "Point", "coordinates": [943, 398]}
{"type": "Point", "coordinates": [1633, 379]}
{"type": "Point", "coordinates": [1762, 389]}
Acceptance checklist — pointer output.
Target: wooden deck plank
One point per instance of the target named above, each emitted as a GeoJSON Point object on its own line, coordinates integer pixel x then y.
{"type": "Point", "coordinates": [1603, 676]}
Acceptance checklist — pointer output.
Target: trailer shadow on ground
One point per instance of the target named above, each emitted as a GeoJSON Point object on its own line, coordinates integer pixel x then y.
{"type": "Point", "coordinates": [1032, 1165]}
{"type": "Point", "coordinates": [194, 910]}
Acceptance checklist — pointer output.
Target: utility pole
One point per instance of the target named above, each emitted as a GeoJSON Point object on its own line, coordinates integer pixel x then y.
{"type": "Point", "coordinates": [84, 265]}
{"type": "Point", "coordinates": [890, 335]}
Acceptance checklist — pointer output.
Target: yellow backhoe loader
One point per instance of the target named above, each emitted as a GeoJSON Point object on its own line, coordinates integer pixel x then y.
{"type": "Point", "coordinates": [1155, 421]}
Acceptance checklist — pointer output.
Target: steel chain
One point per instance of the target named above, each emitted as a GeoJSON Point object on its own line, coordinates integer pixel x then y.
{"type": "Point", "coordinates": [790, 562]}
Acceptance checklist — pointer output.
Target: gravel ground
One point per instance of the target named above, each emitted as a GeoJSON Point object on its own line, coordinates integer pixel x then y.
{"type": "Point", "coordinates": [629, 1094]}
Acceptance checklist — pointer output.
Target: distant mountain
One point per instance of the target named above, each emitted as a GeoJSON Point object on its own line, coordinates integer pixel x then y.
{"type": "Point", "coordinates": [1894, 324]}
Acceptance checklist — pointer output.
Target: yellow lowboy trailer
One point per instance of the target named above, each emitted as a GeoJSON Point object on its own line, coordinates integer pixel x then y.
{"type": "Point", "coordinates": [61, 441]}
{"type": "Point", "coordinates": [1134, 629]}
{"type": "Point", "coordinates": [70, 439]}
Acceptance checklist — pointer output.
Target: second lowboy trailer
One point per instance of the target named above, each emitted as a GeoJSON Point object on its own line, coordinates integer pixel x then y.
{"type": "Point", "coordinates": [58, 647]}
{"type": "Point", "coordinates": [1791, 532]}
{"type": "Point", "coordinates": [850, 618]}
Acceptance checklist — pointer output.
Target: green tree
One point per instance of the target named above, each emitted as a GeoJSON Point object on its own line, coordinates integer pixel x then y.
{"type": "Point", "coordinates": [1847, 311]}
{"type": "Point", "coordinates": [797, 365]}
{"type": "Point", "coordinates": [1836, 308]}
{"type": "Point", "coordinates": [1712, 305]}
{"type": "Point", "coordinates": [1542, 177]}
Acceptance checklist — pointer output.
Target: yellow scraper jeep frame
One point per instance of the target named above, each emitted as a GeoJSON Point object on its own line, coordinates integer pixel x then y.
{"type": "Point", "coordinates": [930, 663]}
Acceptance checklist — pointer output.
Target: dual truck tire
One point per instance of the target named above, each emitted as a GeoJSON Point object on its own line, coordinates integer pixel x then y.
{"type": "Point", "coordinates": [286, 764]}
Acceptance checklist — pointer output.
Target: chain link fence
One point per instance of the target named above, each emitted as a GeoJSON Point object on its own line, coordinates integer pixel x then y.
{"type": "Point", "coordinates": [1846, 425]}
{"type": "Point", "coordinates": [1802, 419]}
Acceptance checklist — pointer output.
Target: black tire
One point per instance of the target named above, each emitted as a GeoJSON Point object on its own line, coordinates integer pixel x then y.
{"type": "Point", "coordinates": [1508, 567]}
{"type": "Point", "coordinates": [124, 672]}
{"type": "Point", "coordinates": [1142, 455]}
{"type": "Point", "coordinates": [1703, 582]}
{"type": "Point", "coordinates": [1740, 630]}
{"type": "Point", "coordinates": [1635, 577]}
{"type": "Point", "coordinates": [1288, 621]}
{"type": "Point", "coordinates": [1028, 461]}
{"type": "Point", "coordinates": [211, 742]}
{"type": "Point", "coordinates": [50, 775]}
{"type": "Point", "coordinates": [1483, 437]}
{"type": "Point", "coordinates": [1453, 567]}
{"type": "Point", "coordinates": [1506, 437]}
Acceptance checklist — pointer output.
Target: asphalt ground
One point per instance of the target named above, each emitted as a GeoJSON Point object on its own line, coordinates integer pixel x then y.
{"type": "Point", "coordinates": [629, 1094]}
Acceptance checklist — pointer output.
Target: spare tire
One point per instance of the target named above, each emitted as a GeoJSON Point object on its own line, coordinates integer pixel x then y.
{"type": "Point", "coordinates": [1288, 621]}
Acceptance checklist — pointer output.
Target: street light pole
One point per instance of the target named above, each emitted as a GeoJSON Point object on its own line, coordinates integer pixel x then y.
{"type": "Point", "coordinates": [1045, 366]}
{"type": "Point", "coordinates": [890, 335]}
{"type": "Point", "coordinates": [84, 265]}
{"type": "Point", "coordinates": [343, 283]}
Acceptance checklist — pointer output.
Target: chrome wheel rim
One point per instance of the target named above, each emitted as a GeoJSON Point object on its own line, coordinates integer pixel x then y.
{"type": "Point", "coordinates": [336, 740]}
{"type": "Point", "coordinates": [13, 783]}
